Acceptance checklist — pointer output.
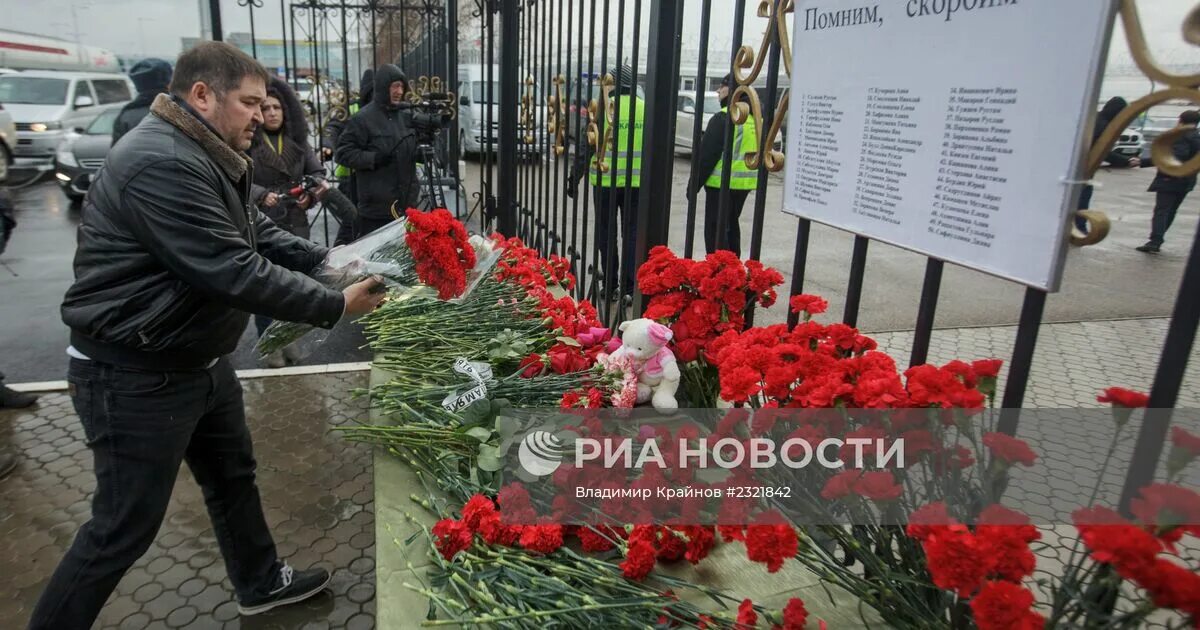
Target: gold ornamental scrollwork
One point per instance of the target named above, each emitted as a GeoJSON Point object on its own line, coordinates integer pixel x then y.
{"type": "Point", "coordinates": [1177, 88]}
{"type": "Point", "coordinates": [601, 142]}
{"type": "Point", "coordinates": [423, 85]}
{"type": "Point", "coordinates": [556, 119]}
{"type": "Point", "coordinates": [526, 118]}
{"type": "Point", "coordinates": [744, 102]}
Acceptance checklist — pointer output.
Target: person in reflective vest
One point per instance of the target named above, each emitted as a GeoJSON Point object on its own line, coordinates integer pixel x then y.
{"type": "Point", "coordinates": [616, 189]}
{"type": "Point", "coordinates": [742, 180]}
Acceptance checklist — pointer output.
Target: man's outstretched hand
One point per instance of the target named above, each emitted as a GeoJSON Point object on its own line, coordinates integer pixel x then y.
{"type": "Point", "coordinates": [364, 297]}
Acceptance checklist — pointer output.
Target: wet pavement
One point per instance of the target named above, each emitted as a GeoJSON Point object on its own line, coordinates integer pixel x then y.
{"type": "Point", "coordinates": [317, 492]}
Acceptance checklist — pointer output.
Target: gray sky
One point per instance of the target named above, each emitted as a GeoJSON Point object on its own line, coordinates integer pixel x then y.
{"type": "Point", "coordinates": [155, 27]}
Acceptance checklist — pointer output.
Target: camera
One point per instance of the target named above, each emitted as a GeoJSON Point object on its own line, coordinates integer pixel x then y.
{"type": "Point", "coordinates": [429, 115]}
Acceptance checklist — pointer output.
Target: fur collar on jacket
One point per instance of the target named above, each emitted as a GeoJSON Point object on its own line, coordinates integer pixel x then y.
{"type": "Point", "coordinates": [234, 163]}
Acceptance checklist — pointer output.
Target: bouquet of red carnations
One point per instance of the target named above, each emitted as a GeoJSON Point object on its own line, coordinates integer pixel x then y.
{"type": "Point", "coordinates": [426, 249]}
{"type": "Point", "coordinates": [701, 300]}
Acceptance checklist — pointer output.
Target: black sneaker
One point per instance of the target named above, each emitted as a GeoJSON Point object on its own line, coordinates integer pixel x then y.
{"type": "Point", "coordinates": [12, 399]}
{"type": "Point", "coordinates": [1149, 248]}
{"type": "Point", "coordinates": [290, 587]}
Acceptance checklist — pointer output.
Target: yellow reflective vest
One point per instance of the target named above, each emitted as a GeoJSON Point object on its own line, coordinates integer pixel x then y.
{"type": "Point", "coordinates": [745, 140]}
{"type": "Point", "coordinates": [622, 156]}
{"type": "Point", "coordinates": [340, 171]}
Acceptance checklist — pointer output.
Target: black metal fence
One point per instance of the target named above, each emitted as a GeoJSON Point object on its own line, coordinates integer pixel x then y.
{"type": "Point", "coordinates": [327, 45]}
{"type": "Point", "coordinates": [553, 77]}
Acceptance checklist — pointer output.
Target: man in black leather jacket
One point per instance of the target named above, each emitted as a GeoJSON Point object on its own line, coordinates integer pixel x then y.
{"type": "Point", "coordinates": [379, 144]}
{"type": "Point", "coordinates": [171, 258]}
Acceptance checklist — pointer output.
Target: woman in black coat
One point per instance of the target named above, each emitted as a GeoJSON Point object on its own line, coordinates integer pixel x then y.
{"type": "Point", "coordinates": [282, 157]}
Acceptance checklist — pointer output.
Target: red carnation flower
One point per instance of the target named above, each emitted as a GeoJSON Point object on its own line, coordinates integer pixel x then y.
{"type": "Point", "coordinates": [1005, 606]}
{"type": "Point", "coordinates": [1006, 535]}
{"type": "Point", "coordinates": [542, 538]}
{"type": "Point", "coordinates": [1167, 506]}
{"type": "Point", "coordinates": [451, 537]}
{"type": "Point", "coordinates": [515, 504]}
{"type": "Point", "coordinates": [795, 615]}
{"type": "Point", "coordinates": [1188, 442]}
{"type": "Point", "coordinates": [956, 560]}
{"type": "Point", "coordinates": [987, 368]}
{"type": "Point", "coordinates": [475, 510]}
{"type": "Point", "coordinates": [840, 485]}
{"type": "Point", "coordinates": [494, 532]}
{"type": "Point", "coordinates": [878, 486]}
{"type": "Point", "coordinates": [771, 544]}
{"type": "Point", "coordinates": [1121, 397]}
{"type": "Point", "coordinates": [531, 366]}
{"type": "Point", "coordinates": [810, 304]}
{"type": "Point", "coordinates": [746, 617]}
{"type": "Point", "coordinates": [594, 541]}
{"type": "Point", "coordinates": [639, 559]}
{"type": "Point", "coordinates": [700, 541]}
{"type": "Point", "coordinates": [1009, 449]}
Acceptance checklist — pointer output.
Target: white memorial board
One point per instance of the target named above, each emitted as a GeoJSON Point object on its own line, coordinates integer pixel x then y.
{"type": "Point", "coordinates": [954, 128]}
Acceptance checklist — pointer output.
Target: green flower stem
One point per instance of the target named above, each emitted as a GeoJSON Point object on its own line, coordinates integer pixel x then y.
{"type": "Point", "coordinates": [544, 613]}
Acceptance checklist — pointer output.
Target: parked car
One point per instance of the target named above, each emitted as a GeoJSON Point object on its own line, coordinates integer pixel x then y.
{"type": "Point", "coordinates": [8, 142]}
{"type": "Point", "coordinates": [685, 117]}
{"type": "Point", "coordinates": [1151, 128]}
{"type": "Point", "coordinates": [82, 153]}
{"type": "Point", "coordinates": [46, 104]}
{"type": "Point", "coordinates": [476, 100]}
{"type": "Point", "coordinates": [1129, 144]}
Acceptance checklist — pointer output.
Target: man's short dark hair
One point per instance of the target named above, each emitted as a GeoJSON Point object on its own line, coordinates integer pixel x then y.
{"type": "Point", "coordinates": [1190, 117]}
{"type": "Point", "coordinates": [219, 65]}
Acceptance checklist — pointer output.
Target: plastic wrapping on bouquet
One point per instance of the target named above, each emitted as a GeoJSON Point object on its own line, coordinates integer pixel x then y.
{"type": "Point", "coordinates": [372, 255]}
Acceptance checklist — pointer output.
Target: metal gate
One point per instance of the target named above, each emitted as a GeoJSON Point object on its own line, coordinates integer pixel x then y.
{"type": "Point", "coordinates": [554, 67]}
{"type": "Point", "coordinates": [327, 46]}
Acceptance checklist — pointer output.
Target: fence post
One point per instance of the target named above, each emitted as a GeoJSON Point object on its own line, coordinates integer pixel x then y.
{"type": "Point", "coordinates": [214, 16]}
{"type": "Point", "coordinates": [658, 159]}
{"type": "Point", "coordinates": [452, 87]}
{"type": "Point", "coordinates": [509, 83]}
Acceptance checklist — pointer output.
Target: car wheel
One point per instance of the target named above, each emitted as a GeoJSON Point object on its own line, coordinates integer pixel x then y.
{"type": "Point", "coordinates": [76, 198]}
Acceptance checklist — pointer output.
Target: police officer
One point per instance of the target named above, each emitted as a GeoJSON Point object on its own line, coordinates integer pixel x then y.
{"type": "Point", "coordinates": [743, 179]}
{"type": "Point", "coordinates": [616, 189]}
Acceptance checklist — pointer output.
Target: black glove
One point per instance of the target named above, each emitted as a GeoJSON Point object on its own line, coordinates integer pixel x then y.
{"type": "Point", "coordinates": [383, 159]}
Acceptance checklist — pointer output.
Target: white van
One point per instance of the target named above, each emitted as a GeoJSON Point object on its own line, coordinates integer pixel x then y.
{"type": "Point", "coordinates": [476, 100]}
{"type": "Point", "coordinates": [46, 104]}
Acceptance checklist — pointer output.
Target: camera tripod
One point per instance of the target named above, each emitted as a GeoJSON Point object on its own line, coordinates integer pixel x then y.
{"type": "Point", "coordinates": [431, 195]}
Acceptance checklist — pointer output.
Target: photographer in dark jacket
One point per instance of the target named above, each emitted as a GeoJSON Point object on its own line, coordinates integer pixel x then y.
{"type": "Point", "coordinates": [380, 145]}
{"type": "Point", "coordinates": [1170, 191]}
{"type": "Point", "coordinates": [171, 257]}
{"type": "Point", "coordinates": [151, 78]}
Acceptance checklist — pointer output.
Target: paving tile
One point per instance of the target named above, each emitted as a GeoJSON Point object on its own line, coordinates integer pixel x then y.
{"type": "Point", "coordinates": [181, 581]}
